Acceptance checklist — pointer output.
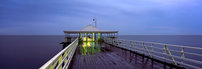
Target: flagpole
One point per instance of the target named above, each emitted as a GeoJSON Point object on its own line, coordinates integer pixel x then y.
{"type": "Point", "coordinates": [94, 19]}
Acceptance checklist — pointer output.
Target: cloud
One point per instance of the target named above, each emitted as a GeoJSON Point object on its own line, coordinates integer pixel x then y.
{"type": "Point", "coordinates": [129, 15]}
{"type": "Point", "coordinates": [134, 6]}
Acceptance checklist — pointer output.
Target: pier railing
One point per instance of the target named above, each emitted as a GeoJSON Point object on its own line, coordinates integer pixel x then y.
{"type": "Point", "coordinates": [63, 58]}
{"type": "Point", "coordinates": [183, 56]}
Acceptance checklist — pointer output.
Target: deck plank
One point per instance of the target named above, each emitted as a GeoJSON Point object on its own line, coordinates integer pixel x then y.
{"type": "Point", "coordinates": [111, 57]}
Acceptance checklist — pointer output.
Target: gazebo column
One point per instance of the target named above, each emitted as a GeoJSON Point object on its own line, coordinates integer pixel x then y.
{"type": "Point", "coordinates": [101, 35]}
{"type": "Point", "coordinates": [86, 36]}
{"type": "Point", "coordinates": [98, 36]}
{"type": "Point", "coordinates": [80, 35]}
{"type": "Point", "coordinates": [93, 36]}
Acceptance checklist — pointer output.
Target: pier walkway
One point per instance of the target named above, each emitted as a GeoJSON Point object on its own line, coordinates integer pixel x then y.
{"type": "Point", "coordinates": [113, 53]}
{"type": "Point", "coordinates": [101, 49]}
{"type": "Point", "coordinates": [105, 56]}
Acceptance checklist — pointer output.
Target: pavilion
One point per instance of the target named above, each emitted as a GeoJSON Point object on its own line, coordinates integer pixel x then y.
{"type": "Point", "coordinates": [91, 33]}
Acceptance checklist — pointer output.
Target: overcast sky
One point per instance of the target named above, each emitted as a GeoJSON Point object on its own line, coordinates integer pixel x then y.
{"type": "Point", "coordinates": [129, 17]}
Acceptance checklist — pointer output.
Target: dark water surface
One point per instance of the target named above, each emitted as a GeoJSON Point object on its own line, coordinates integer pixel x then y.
{"type": "Point", "coordinates": [31, 52]}
{"type": "Point", "coordinates": [27, 52]}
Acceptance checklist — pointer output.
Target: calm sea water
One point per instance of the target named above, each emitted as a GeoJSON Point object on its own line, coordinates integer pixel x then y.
{"type": "Point", "coordinates": [28, 52]}
{"type": "Point", "coordinates": [31, 52]}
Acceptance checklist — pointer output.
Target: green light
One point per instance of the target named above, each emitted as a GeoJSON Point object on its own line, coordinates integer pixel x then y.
{"type": "Point", "coordinates": [93, 48]}
{"type": "Point", "coordinates": [98, 36]}
{"type": "Point", "coordinates": [99, 48]}
{"type": "Point", "coordinates": [93, 36]}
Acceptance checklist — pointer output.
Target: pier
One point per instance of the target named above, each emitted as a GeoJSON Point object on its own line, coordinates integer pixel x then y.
{"type": "Point", "coordinates": [92, 48]}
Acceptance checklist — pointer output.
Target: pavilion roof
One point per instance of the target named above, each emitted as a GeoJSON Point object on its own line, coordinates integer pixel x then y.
{"type": "Point", "coordinates": [90, 29]}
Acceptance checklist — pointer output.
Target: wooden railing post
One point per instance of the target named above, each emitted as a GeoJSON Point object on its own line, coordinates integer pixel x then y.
{"type": "Point", "coordinates": [131, 45]}
{"type": "Point", "coordinates": [143, 48]}
{"type": "Point", "coordinates": [135, 45]}
{"type": "Point", "coordinates": [152, 45]}
{"type": "Point", "coordinates": [163, 52]}
{"type": "Point", "coordinates": [182, 51]}
{"type": "Point", "coordinates": [164, 48]}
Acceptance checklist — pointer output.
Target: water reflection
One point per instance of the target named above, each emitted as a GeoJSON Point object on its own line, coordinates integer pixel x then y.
{"type": "Point", "coordinates": [90, 48]}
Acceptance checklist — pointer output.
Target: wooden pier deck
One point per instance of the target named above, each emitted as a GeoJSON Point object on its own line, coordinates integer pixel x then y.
{"type": "Point", "coordinates": [85, 52]}
{"type": "Point", "coordinates": [104, 56]}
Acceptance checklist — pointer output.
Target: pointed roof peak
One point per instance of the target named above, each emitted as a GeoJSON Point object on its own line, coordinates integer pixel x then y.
{"type": "Point", "coordinates": [90, 28]}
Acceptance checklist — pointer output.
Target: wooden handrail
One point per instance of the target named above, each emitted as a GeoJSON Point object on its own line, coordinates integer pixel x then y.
{"type": "Point", "coordinates": [166, 50]}
{"type": "Point", "coordinates": [63, 56]}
